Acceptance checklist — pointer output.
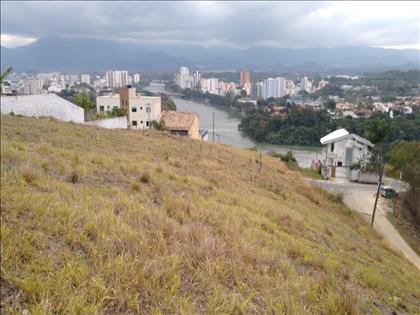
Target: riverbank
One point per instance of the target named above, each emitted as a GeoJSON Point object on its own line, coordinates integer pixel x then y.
{"type": "Point", "coordinates": [226, 131]}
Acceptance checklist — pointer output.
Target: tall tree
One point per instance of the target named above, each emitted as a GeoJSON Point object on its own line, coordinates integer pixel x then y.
{"type": "Point", "coordinates": [377, 132]}
{"type": "Point", "coordinates": [5, 74]}
{"type": "Point", "coordinates": [405, 158]}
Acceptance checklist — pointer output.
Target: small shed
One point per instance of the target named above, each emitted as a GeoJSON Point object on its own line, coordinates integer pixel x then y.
{"type": "Point", "coordinates": [181, 123]}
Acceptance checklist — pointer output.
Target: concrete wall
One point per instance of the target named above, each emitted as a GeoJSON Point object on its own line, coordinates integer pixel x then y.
{"type": "Point", "coordinates": [42, 105]}
{"type": "Point", "coordinates": [110, 123]}
{"type": "Point", "coordinates": [368, 178]}
{"type": "Point", "coordinates": [194, 130]}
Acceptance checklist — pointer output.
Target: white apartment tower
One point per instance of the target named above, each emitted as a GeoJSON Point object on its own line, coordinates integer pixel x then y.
{"type": "Point", "coordinates": [183, 78]}
{"type": "Point", "coordinates": [306, 85]}
{"type": "Point", "coordinates": [196, 78]}
{"type": "Point", "coordinates": [85, 78]}
{"type": "Point", "coordinates": [273, 87]}
{"type": "Point", "coordinates": [136, 78]}
{"type": "Point", "coordinates": [118, 78]}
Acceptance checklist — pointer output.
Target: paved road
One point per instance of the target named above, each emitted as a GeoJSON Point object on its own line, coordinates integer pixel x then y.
{"type": "Point", "coordinates": [361, 198]}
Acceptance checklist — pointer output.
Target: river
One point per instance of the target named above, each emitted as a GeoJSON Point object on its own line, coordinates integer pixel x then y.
{"type": "Point", "coordinates": [226, 126]}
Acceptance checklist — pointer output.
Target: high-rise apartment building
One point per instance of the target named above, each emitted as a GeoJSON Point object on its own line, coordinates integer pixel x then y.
{"type": "Point", "coordinates": [136, 78]}
{"type": "Point", "coordinates": [196, 78]}
{"type": "Point", "coordinates": [244, 77]}
{"type": "Point", "coordinates": [273, 87]}
{"type": "Point", "coordinates": [306, 85]}
{"type": "Point", "coordinates": [31, 86]}
{"type": "Point", "coordinates": [183, 79]}
{"type": "Point", "coordinates": [118, 78]}
{"type": "Point", "coordinates": [85, 78]}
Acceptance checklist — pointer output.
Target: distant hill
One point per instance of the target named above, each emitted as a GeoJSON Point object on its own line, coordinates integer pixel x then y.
{"type": "Point", "coordinates": [85, 54]}
{"type": "Point", "coordinates": [97, 221]}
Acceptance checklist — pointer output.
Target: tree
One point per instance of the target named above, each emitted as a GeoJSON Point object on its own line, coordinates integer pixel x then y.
{"type": "Point", "coordinates": [405, 158]}
{"type": "Point", "coordinates": [331, 104]}
{"type": "Point", "coordinates": [167, 103]}
{"type": "Point", "coordinates": [117, 112]}
{"type": "Point", "coordinates": [376, 132]}
{"type": "Point", "coordinates": [83, 100]}
{"type": "Point", "coordinates": [5, 74]}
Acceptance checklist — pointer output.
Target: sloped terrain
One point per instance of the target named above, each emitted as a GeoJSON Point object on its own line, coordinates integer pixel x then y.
{"type": "Point", "coordinates": [100, 221]}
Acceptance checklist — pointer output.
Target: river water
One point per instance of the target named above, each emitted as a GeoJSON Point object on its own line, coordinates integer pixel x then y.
{"type": "Point", "coordinates": [226, 126]}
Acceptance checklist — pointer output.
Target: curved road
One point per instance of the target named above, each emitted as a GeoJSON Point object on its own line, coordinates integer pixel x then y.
{"type": "Point", "coordinates": [361, 198]}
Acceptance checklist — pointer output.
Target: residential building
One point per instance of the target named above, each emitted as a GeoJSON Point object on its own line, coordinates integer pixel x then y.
{"type": "Point", "coordinates": [247, 88]}
{"type": "Point", "coordinates": [273, 87]}
{"type": "Point", "coordinates": [85, 78]}
{"type": "Point", "coordinates": [136, 78]}
{"type": "Point", "coordinates": [31, 86]}
{"type": "Point", "coordinates": [258, 90]}
{"type": "Point", "coordinates": [48, 105]}
{"type": "Point", "coordinates": [211, 86]}
{"type": "Point", "coordinates": [141, 110]}
{"type": "Point", "coordinates": [109, 77]}
{"type": "Point", "coordinates": [184, 124]}
{"type": "Point", "coordinates": [306, 85]}
{"type": "Point", "coordinates": [342, 150]}
{"type": "Point", "coordinates": [56, 86]}
{"type": "Point", "coordinates": [244, 78]}
{"type": "Point", "coordinates": [322, 83]}
{"type": "Point", "coordinates": [196, 78]}
{"type": "Point", "coordinates": [6, 89]}
{"type": "Point", "coordinates": [117, 78]}
{"type": "Point", "coordinates": [71, 79]}
{"type": "Point", "coordinates": [183, 79]}
{"type": "Point", "coordinates": [296, 100]}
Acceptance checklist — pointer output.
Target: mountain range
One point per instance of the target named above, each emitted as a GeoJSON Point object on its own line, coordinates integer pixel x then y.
{"type": "Point", "coordinates": [87, 54]}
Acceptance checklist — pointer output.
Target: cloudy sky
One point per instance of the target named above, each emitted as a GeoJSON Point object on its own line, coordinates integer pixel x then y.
{"type": "Point", "coordinates": [237, 24]}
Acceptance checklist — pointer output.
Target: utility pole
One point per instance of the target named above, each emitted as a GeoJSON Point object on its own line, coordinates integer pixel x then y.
{"type": "Point", "coordinates": [213, 127]}
{"type": "Point", "coordinates": [381, 172]}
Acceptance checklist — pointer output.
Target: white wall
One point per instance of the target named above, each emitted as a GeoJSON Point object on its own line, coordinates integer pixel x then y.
{"type": "Point", "coordinates": [110, 123]}
{"type": "Point", "coordinates": [42, 105]}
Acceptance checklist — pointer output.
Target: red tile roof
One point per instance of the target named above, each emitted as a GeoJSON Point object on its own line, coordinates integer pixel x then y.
{"type": "Point", "coordinates": [178, 120]}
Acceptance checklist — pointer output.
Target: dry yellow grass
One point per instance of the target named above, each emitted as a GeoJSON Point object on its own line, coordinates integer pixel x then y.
{"type": "Point", "coordinates": [97, 221]}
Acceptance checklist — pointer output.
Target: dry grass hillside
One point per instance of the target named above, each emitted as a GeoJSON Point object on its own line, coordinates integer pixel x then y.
{"type": "Point", "coordinates": [110, 222]}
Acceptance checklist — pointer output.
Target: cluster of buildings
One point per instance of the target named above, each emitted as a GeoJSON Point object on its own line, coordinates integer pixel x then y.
{"type": "Point", "coordinates": [270, 87]}
{"type": "Point", "coordinates": [55, 82]}
{"type": "Point", "coordinates": [279, 87]}
{"type": "Point", "coordinates": [213, 85]}
{"type": "Point", "coordinates": [142, 110]}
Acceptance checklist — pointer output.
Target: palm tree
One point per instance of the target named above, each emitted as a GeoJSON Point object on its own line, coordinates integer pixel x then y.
{"type": "Point", "coordinates": [5, 74]}
{"type": "Point", "coordinates": [376, 132]}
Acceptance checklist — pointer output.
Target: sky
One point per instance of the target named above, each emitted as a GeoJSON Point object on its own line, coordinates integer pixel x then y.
{"type": "Point", "coordinates": [232, 24]}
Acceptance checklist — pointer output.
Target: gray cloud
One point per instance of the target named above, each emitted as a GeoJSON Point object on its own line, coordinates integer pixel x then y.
{"type": "Point", "coordinates": [242, 24]}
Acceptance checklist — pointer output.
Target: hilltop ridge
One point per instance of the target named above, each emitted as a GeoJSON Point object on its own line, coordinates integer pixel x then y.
{"type": "Point", "coordinates": [121, 221]}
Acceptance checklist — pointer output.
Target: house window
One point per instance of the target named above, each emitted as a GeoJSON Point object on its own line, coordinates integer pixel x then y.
{"type": "Point", "coordinates": [339, 163]}
{"type": "Point", "coordinates": [134, 109]}
{"type": "Point", "coordinates": [147, 124]}
{"type": "Point", "coordinates": [141, 108]}
{"type": "Point", "coordinates": [107, 107]}
{"type": "Point", "coordinates": [332, 147]}
{"type": "Point", "coordinates": [141, 122]}
{"type": "Point", "coordinates": [148, 109]}
{"type": "Point", "coordinates": [134, 122]}
{"type": "Point", "coordinates": [101, 108]}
